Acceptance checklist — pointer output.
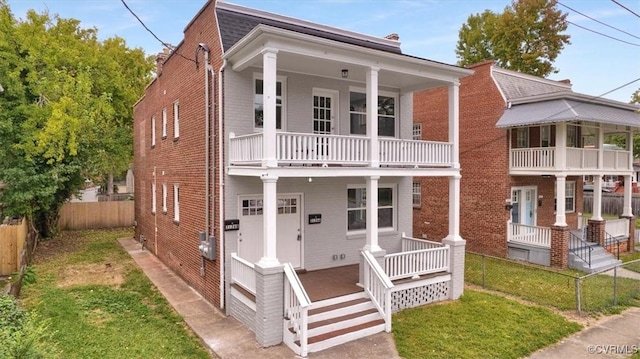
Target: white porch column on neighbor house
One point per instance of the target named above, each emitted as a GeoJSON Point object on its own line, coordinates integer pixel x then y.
{"type": "Point", "coordinates": [454, 123]}
{"type": "Point", "coordinates": [454, 240]}
{"type": "Point", "coordinates": [561, 148]}
{"type": "Point", "coordinates": [561, 219]}
{"type": "Point", "coordinates": [269, 61]}
{"type": "Point", "coordinates": [269, 213]}
{"type": "Point", "coordinates": [629, 142]}
{"type": "Point", "coordinates": [372, 215]}
{"type": "Point", "coordinates": [597, 198]}
{"type": "Point", "coordinates": [600, 144]}
{"type": "Point", "coordinates": [627, 210]}
{"type": "Point", "coordinates": [454, 208]}
{"type": "Point", "coordinates": [372, 117]}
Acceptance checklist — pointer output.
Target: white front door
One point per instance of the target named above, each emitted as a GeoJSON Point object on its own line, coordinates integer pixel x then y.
{"type": "Point", "coordinates": [288, 226]}
{"type": "Point", "coordinates": [523, 200]}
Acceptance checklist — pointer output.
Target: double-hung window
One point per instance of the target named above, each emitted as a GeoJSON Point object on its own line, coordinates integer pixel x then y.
{"type": "Point", "coordinates": [153, 197]}
{"type": "Point", "coordinates": [164, 198]}
{"type": "Point", "coordinates": [153, 131]}
{"type": "Point", "coordinates": [386, 113]}
{"type": "Point", "coordinates": [417, 131]}
{"type": "Point", "coordinates": [417, 194]}
{"type": "Point", "coordinates": [176, 202]}
{"type": "Point", "coordinates": [522, 137]}
{"type": "Point", "coordinates": [176, 119]}
{"type": "Point", "coordinates": [258, 101]}
{"type": "Point", "coordinates": [357, 208]}
{"type": "Point", "coordinates": [569, 196]}
{"type": "Point", "coordinates": [164, 122]}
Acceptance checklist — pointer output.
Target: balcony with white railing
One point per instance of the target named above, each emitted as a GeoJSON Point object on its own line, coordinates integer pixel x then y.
{"type": "Point", "coordinates": [323, 149]}
{"type": "Point", "coordinates": [547, 159]}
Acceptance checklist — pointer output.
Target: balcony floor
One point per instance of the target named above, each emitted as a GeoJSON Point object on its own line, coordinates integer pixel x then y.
{"type": "Point", "coordinates": [332, 282]}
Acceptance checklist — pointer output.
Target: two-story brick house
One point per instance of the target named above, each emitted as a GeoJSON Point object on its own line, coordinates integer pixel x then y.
{"type": "Point", "coordinates": [526, 145]}
{"type": "Point", "coordinates": [274, 173]}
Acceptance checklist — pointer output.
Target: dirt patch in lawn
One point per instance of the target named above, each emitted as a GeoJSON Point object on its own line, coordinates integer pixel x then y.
{"type": "Point", "coordinates": [102, 274]}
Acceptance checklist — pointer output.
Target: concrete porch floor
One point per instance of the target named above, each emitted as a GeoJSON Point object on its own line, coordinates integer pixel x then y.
{"type": "Point", "coordinates": [228, 338]}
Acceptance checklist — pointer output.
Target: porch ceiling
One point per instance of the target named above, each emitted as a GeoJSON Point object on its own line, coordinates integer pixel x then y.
{"type": "Point", "coordinates": [301, 53]}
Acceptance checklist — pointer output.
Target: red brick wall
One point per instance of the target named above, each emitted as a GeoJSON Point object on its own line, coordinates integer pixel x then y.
{"type": "Point", "coordinates": [179, 161]}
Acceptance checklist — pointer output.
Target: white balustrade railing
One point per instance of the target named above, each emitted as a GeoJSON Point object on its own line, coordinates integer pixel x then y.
{"type": "Point", "coordinates": [378, 287]}
{"type": "Point", "coordinates": [525, 234]}
{"type": "Point", "coordinates": [616, 159]}
{"type": "Point", "coordinates": [296, 307]}
{"type": "Point", "coordinates": [243, 273]}
{"type": "Point", "coordinates": [247, 148]}
{"type": "Point", "coordinates": [532, 158]}
{"type": "Point", "coordinates": [617, 227]}
{"type": "Point", "coordinates": [582, 158]}
{"type": "Point", "coordinates": [410, 152]}
{"type": "Point", "coordinates": [307, 147]}
{"type": "Point", "coordinates": [416, 244]}
{"type": "Point", "coordinates": [416, 263]}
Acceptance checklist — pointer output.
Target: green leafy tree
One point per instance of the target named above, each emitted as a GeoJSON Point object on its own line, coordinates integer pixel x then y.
{"type": "Point", "coordinates": [526, 37]}
{"type": "Point", "coordinates": [66, 112]}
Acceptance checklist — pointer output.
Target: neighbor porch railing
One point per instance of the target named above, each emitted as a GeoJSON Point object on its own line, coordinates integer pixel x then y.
{"type": "Point", "coordinates": [378, 287]}
{"type": "Point", "coordinates": [616, 159]}
{"type": "Point", "coordinates": [576, 158]}
{"type": "Point", "coordinates": [617, 227]}
{"type": "Point", "coordinates": [296, 307]}
{"type": "Point", "coordinates": [243, 273]}
{"type": "Point", "coordinates": [529, 158]}
{"type": "Point", "coordinates": [432, 258]}
{"type": "Point", "coordinates": [582, 158]}
{"type": "Point", "coordinates": [532, 235]}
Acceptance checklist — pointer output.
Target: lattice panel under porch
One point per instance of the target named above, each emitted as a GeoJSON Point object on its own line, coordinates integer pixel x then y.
{"type": "Point", "coordinates": [414, 297]}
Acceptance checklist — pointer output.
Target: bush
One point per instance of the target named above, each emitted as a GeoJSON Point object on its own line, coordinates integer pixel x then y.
{"type": "Point", "coordinates": [22, 333]}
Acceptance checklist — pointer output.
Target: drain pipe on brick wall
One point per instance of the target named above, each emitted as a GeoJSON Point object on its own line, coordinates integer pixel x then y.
{"type": "Point", "coordinates": [221, 183]}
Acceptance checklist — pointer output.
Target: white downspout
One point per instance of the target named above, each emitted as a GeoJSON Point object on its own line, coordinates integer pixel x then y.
{"type": "Point", "coordinates": [207, 160]}
{"type": "Point", "coordinates": [221, 182]}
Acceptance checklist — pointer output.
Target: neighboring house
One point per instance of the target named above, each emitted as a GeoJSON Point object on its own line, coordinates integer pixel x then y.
{"type": "Point", "coordinates": [267, 183]}
{"type": "Point", "coordinates": [525, 142]}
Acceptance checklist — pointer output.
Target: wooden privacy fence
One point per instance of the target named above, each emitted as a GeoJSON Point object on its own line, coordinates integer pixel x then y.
{"type": "Point", "coordinates": [612, 203]}
{"type": "Point", "coordinates": [12, 243]}
{"type": "Point", "coordinates": [85, 215]}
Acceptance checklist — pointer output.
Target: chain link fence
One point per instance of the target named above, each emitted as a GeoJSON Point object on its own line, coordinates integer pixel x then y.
{"type": "Point", "coordinates": [601, 292]}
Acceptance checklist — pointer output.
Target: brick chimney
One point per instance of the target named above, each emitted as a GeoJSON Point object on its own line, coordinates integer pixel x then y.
{"type": "Point", "coordinates": [393, 36]}
{"type": "Point", "coordinates": [565, 81]}
{"type": "Point", "coordinates": [160, 59]}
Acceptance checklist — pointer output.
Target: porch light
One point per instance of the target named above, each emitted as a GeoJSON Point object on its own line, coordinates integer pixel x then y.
{"type": "Point", "coordinates": [345, 73]}
{"type": "Point", "coordinates": [508, 205]}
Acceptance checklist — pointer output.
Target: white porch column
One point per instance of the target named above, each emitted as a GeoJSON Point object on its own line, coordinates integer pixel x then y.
{"type": "Point", "coordinates": [269, 213]}
{"type": "Point", "coordinates": [561, 148]}
{"type": "Point", "coordinates": [600, 144]}
{"type": "Point", "coordinates": [454, 123]}
{"type": "Point", "coordinates": [597, 198]}
{"type": "Point", "coordinates": [561, 220]}
{"type": "Point", "coordinates": [372, 118]}
{"type": "Point", "coordinates": [372, 214]}
{"type": "Point", "coordinates": [454, 208]}
{"type": "Point", "coordinates": [269, 61]}
{"type": "Point", "coordinates": [627, 210]}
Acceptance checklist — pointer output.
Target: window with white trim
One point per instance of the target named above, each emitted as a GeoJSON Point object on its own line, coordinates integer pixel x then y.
{"type": "Point", "coordinates": [176, 119]}
{"type": "Point", "coordinates": [176, 202]}
{"type": "Point", "coordinates": [545, 136]}
{"type": "Point", "coordinates": [522, 137]}
{"type": "Point", "coordinates": [164, 122]}
{"type": "Point", "coordinates": [417, 194]}
{"type": "Point", "coordinates": [153, 131]}
{"type": "Point", "coordinates": [357, 208]}
{"type": "Point", "coordinates": [417, 131]}
{"type": "Point", "coordinates": [258, 101]}
{"type": "Point", "coordinates": [153, 197]}
{"type": "Point", "coordinates": [569, 196]}
{"type": "Point", "coordinates": [386, 113]}
{"type": "Point", "coordinates": [164, 198]}
{"type": "Point", "coordinates": [572, 136]}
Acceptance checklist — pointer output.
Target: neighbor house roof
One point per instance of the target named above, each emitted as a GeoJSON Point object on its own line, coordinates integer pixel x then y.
{"type": "Point", "coordinates": [514, 85]}
{"type": "Point", "coordinates": [235, 22]}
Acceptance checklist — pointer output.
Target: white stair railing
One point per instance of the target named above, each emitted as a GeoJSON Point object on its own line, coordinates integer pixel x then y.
{"type": "Point", "coordinates": [243, 273]}
{"type": "Point", "coordinates": [296, 307]}
{"type": "Point", "coordinates": [416, 263]}
{"type": "Point", "coordinates": [378, 287]}
{"type": "Point", "coordinates": [415, 244]}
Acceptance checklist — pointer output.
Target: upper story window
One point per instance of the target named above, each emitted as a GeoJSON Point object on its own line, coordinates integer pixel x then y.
{"type": "Point", "coordinates": [386, 113]}
{"type": "Point", "coordinates": [417, 194]}
{"type": "Point", "coordinates": [417, 131]}
{"type": "Point", "coordinates": [176, 119]}
{"type": "Point", "coordinates": [176, 202]}
{"type": "Point", "coordinates": [522, 137]}
{"type": "Point", "coordinates": [153, 131]}
{"type": "Point", "coordinates": [357, 208]}
{"type": "Point", "coordinates": [258, 101]}
{"type": "Point", "coordinates": [545, 136]}
{"type": "Point", "coordinates": [572, 136]}
{"type": "Point", "coordinates": [164, 122]}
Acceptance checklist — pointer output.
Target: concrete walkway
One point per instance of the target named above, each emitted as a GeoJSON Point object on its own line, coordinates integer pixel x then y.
{"type": "Point", "coordinates": [225, 336]}
{"type": "Point", "coordinates": [624, 273]}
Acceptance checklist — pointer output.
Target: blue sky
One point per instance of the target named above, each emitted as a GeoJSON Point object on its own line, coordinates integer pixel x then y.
{"type": "Point", "coordinates": [427, 28]}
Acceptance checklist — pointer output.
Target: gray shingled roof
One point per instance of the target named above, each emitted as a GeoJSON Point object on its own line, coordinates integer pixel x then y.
{"type": "Point", "coordinates": [515, 85]}
{"type": "Point", "coordinates": [559, 110]}
{"type": "Point", "coordinates": [235, 25]}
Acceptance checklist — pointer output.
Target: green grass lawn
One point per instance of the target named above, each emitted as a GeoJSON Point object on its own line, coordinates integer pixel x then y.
{"type": "Point", "coordinates": [100, 305]}
{"type": "Point", "coordinates": [479, 325]}
{"type": "Point", "coordinates": [552, 288]}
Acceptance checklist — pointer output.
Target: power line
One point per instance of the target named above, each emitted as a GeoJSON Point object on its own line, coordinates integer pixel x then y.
{"type": "Point", "coordinates": [165, 44]}
{"type": "Point", "coordinates": [598, 21]}
{"type": "Point", "coordinates": [605, 35]}
{"type": "Point", "coordinates": [626, 8]}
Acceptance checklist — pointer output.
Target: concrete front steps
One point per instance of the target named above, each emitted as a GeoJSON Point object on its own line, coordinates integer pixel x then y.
{"type": "Point", "coordinates": [601, 260]}
{"type": "Point", "coordinates": [337, 321]}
